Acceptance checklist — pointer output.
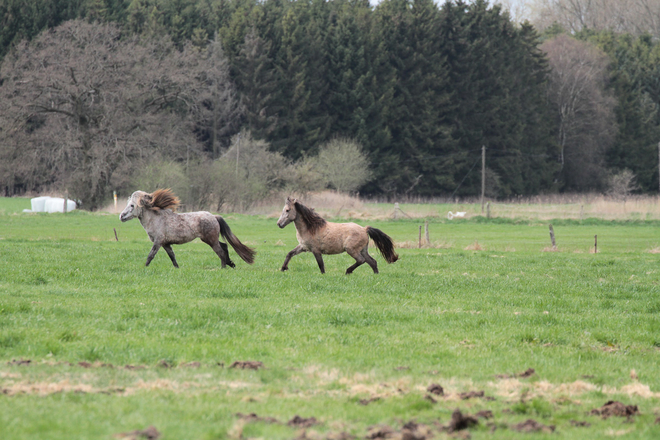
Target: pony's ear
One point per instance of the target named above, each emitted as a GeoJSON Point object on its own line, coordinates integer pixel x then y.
{"type": "Point", "coordinates": [147, 200]}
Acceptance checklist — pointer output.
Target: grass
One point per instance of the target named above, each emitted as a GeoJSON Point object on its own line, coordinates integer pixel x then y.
{"type": "Point", "coordinates": [70, 293]}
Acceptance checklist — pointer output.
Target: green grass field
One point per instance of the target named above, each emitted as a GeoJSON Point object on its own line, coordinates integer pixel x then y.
{"type": "Point", "coordinates": [115, 346]}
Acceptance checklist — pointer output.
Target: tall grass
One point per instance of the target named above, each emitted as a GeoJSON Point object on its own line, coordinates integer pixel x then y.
{"type": "Point", "coordinates": [569, 206]}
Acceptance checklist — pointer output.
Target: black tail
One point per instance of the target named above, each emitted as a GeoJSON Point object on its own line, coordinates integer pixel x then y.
{"type": "Point", "coordinates": [246, 253]}
{"type": "Point", "coordinates": [384, 244]}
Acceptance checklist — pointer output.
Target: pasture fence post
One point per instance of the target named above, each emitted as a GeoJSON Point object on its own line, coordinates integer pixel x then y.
{"type": "Point", "coordinates": [581, 212]}
{"type": "Point", "coordinates": [552, 237]}
{"type": "Point", "coordinates": [483, 176]}
{"type": "Point", "coordinates": [488, 210]}
{"type": "Point", "coordinates": [595, 244]}
{"type": "Point", "coordinates": [116, 238]}
{"type": "Point", "coordinates": [420, 237]}
{"type": "Point", "coordinates": [426, 233]}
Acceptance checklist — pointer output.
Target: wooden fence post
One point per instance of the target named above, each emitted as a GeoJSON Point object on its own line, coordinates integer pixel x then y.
{"type": "Point", "coordinates": [420, 236]}
{"type": "Point", "coordinates": [552, 238]}
{"type": "Point", "coordinates": [426, 233]}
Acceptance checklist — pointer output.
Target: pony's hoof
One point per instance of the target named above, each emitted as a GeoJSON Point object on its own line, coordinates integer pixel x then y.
{"type": "Point", "coordinates": [284, 269]}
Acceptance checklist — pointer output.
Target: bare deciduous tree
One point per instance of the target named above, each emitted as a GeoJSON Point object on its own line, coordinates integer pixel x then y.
{"type": "Point", "coordinates": [248, 171]}
{"type": "Point", "coordinates": [584, 110]}
{"type": "Point", "coordinates": [343, 164]}
{"type": "Point", "coordinates": [622, 184]}
{"type": "Point", "coordinates": [83, 107]}
{"type": "Point", "coordinates": [627, 16]}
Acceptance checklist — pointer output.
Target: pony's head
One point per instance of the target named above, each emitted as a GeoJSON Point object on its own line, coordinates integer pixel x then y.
{"type": "Point", "coordinates": [140, 200]}
{"type": "Point", "coordinates": [288, 212]}
{"type": "Point", "coordinates": [293, 210]}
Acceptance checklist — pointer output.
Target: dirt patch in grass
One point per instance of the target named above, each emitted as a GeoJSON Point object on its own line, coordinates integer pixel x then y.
{"type": "Point", "coordinates": [525, 374]}
{"type": "Point", "coordinates": [134, 367]}
{"type": "Point", "coordinates": [301, 422]}
{"type": "Point", "coordinates": [531, 425]}
{"type": "Point", "coordinates": [617, 409]}
{"type": "Point", "coordinates": [459, 421]}
{"type": "Point", "coordinates": [247, 365]}
{"type": "Point", "coordinates": [484, 414]}
{"type": "Point", "coordinates": [252, 417]}
{"type": "Point", "coordinates": [20, 362]}
{"type": "Point", "coordinates": [436, 389]}
{"type": "Point", "coordinates": [378, 432]}
{"type": "Point", "coordinates": [368, 401]}
{"type": "Point", "coordinates": [471, 395]}
{"type": "Point", "coordinates": [150, 433]}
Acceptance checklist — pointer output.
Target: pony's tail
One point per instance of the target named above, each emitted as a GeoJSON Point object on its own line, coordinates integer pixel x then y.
{"type": "Point", "coordinates": [384, 244]}
{"type": "Point", "coordinates": [246, 253]}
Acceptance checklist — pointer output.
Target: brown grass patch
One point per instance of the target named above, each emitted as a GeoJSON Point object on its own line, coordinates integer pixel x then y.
{"type": "Point", "coordinates": [46, 388]}
{"type": "Point", "coordinates": [475, 247]}
{"type": "Point", "coordinates": [514, 389]}
{"type": "Point", "coordinates": [550, 249]}
{"type": "Point", "coordinates": [415, 245]}
{"type": "Point", "coordinates": [655, 250]}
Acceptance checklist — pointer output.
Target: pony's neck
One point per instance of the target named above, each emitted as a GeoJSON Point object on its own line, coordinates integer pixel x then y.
{"type": "Point", "coordinates": [301, 226]}
{"type": "Point", "coordinates": [146, 217]}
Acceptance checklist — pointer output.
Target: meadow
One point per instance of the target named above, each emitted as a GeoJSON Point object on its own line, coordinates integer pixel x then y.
{"type": "Point", "coordinates": [93, 344]}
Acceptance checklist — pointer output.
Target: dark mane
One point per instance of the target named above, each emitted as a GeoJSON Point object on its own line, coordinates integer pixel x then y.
{"type": "Point", "coordinates": [312, 220]}
{"type": "Point", "coordinates": [162, 199]}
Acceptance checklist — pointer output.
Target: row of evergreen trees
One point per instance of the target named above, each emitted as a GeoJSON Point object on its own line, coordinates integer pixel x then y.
{"type": "Point", "coordinates": [421, 86]}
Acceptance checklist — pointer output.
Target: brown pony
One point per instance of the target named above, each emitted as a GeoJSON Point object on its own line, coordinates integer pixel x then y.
{"type": "Point", "coordinates": [165, 227]}
{"type": "Point", "coordinates": [320, 237]}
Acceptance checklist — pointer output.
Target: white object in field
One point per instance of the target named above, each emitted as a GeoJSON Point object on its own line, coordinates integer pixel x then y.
{"type": "Point", "coordinates": [38, 203]}
{"type": "Point", "coordinates": [51, 204]}
{"type": "Point", "coordinates": [56, 204]}
{"type": "Point", "coordinates": [451, 215]}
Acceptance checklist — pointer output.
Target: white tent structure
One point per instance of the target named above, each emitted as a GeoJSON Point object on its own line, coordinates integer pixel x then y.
{"type": "Point", "coordinates": [51, 204]}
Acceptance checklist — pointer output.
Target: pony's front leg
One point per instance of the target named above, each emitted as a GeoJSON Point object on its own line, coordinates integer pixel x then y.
{"type": "Point", "coordinates": [319, 260]}
{"type": "Point", "coordinates": [298, 249]}
{"type": "Point", "coordinates": [152, 253]}
{"type": "Point", "coordinates": [170, 252]}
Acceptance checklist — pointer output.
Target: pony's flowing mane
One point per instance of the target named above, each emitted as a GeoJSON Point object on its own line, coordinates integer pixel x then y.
{"type": "Point", "coordinates": [312, 220]}
{"type": "Point", "coordinates": [161, 199]}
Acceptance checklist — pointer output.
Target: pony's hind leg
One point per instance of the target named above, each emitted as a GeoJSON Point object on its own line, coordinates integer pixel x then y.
{"type": "Point", "coordinates": [226, 249]}
{"type": "Point", "coordinates": [359, 261]}
{"type": "Point", "coordinates": [370, 260]}
{"type": "Point", "coordinates": [221, 251]}
{"type": "Point", "coordinates": [170, 252]}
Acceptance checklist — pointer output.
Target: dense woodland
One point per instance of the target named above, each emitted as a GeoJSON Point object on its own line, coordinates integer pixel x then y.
{"type": "Point", "coordinates": [96, 94]}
